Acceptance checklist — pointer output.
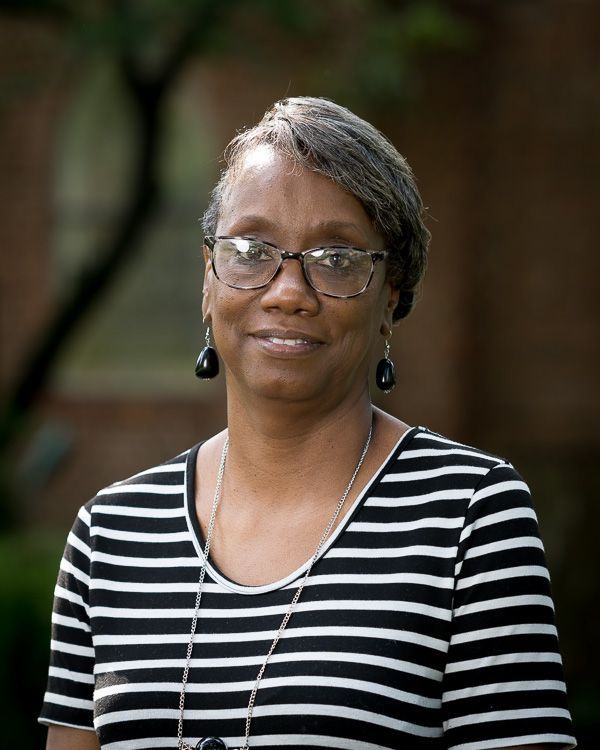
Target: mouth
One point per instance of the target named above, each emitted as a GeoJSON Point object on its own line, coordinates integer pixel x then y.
{"type": "Point", "coordinates": [287, 341]}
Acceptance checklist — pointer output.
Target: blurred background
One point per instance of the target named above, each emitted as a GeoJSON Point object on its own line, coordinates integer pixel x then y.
{"type": "Point", "coordinates": [113, 114]}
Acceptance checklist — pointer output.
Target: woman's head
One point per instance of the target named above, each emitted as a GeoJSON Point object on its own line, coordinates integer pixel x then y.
{"type": "Point", "coordinates": [324, 137]}
{"type": "Point", "coordinates": [285, 333]}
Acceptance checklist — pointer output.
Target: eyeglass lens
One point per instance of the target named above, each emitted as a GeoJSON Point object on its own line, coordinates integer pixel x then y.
{"type": "Point", "coordinates": [249, 264]}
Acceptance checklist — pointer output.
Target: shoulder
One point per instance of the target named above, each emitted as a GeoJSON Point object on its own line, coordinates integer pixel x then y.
{"type": "Point", "coordinates": [432, 454]}
{"type": "Point", "coordinates": [430, 470]}
{"type": "Point", "coordinates": [154, 484]}
{"type": "Point", "coordinates": [436, 444]}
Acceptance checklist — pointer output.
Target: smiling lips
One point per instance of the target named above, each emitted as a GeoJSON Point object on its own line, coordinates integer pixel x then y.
{"type": "Point", "coordinates": [287, 340]}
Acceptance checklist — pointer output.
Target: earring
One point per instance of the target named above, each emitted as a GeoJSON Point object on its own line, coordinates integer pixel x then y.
{"type": "Point", "coordinates": [207, 364]}
{"type": "Point", "coordinates": [385, 376]}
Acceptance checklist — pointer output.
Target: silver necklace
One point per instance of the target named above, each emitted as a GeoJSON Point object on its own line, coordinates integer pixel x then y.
{"type": "Point", "coordinates": [215, 743]}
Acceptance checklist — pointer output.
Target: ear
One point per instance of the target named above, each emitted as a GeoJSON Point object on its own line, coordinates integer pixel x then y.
{"type": "Point", "coordinates": [208, 281]}
{"type": "Point", "coordinates": [207, 263]}
{"type": "Point", "coordinates": [391, 300]}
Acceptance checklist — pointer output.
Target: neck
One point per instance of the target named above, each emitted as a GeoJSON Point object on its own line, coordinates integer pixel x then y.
{"type": "Point", "coordinates": [273, 425]}
{"type": "Point", "coordinates": [289, 448]}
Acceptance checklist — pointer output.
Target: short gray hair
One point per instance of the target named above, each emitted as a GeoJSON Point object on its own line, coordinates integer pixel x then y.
{"type": "Point", "coordinates": [320, 135]}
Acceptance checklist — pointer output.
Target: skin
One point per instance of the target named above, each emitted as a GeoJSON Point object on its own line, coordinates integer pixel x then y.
{"type": "Point", "coordinates": [67, 738]}
{"type": "Point", "coordinates": [291, 407]}
{"type": "Point", "coordinates": [298, 414]}
{"type": "Point", "coordinates": [296, 210]}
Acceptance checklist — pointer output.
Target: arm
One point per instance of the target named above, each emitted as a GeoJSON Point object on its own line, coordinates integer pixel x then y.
{"type": "Point", "coordinates": [67, 738]}
{"type": "Point", "coordinates": [68, 702]}
{"type": "Point", "coordinates": [503, 682]}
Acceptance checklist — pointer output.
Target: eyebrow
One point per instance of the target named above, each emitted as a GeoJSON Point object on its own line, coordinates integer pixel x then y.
{"type": "Point", "coordinates": [336, 226]}
{"type": "Point", "coordinates": [332, 225]}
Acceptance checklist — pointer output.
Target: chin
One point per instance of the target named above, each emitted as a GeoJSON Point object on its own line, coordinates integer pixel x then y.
{"type": "Point", "coordinates": [285, 389]}
{"type": "Point", "coordinates": [279, 384]}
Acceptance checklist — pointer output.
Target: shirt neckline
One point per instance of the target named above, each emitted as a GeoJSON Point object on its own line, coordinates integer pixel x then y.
{"type": "Point", "coordinates": [289, 580]}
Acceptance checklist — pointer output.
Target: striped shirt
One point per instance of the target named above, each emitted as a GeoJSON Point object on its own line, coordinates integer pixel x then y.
{"type": "Point", "coordinates": [426, 622]}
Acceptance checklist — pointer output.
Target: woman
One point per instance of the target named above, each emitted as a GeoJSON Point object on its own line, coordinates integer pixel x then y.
{"type": "Point", "coordinates": [367, 585]}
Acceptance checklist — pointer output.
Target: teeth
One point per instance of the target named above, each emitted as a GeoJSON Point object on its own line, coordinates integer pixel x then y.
{"type": "Point", "coordinates": [287, 342]}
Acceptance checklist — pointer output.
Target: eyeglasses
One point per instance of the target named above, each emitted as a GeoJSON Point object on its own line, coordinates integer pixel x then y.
{"type": "Point", "coordinates": [336, 271]}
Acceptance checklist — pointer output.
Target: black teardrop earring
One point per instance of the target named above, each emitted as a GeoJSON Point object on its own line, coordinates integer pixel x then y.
{"type": "Point", "coordinates": [385, 376]}
{"type": "Point", "coordinates": [207, 364]}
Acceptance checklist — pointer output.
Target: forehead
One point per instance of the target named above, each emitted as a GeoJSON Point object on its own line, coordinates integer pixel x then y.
{"type": "Point", "coordinates": [268, 188]}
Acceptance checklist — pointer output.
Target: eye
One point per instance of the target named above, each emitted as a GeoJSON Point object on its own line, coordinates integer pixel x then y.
{"type": "Point", "coordinates": [333, 258]}
{"type": "Point", "coordinates": [252, 251]}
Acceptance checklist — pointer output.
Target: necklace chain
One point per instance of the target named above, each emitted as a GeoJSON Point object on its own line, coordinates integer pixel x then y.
{"type": "Point", "coordinates": [181, 744]}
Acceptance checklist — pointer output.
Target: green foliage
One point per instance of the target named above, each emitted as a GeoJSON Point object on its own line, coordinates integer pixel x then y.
{"type": "Point", "coordinates": [293, 16]}
{"type": "Point", "coordinates": [432, 24]}
{"type": "Point", "coordinates": [28, 567]}
{"type": "Point", "coordinates": [136, 28]}
{"type": "Point", "coordinates": [362, 49]}
{"type": "Point", "coordinates": [393, 38]}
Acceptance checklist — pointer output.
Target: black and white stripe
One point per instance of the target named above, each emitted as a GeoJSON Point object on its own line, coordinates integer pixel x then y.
{"type": "Point", "coordinates": [427, 622]}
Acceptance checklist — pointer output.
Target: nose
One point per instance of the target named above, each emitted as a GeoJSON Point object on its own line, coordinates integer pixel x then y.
{"type": "Point", "coordinates": [289, 290]}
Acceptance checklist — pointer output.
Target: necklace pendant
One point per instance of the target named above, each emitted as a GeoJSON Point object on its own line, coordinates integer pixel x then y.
{"type": "Point", "coordinates": [211, 743]}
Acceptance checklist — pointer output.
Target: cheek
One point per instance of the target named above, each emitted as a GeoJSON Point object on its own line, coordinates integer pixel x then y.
{"type": "Point", "coordinates": [359, 328]}
{"type": "Point", "coordinates": [216, 296]}
{"type": "Point", "coordinates": [230, 312]}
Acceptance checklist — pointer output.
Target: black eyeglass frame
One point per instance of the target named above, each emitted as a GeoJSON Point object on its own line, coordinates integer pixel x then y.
{"type": "Point", "coordinates": [375, 255]}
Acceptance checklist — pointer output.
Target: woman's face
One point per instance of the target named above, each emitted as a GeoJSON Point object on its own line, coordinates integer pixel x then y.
{"type": "Point", "coordinates": [285, 340]}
